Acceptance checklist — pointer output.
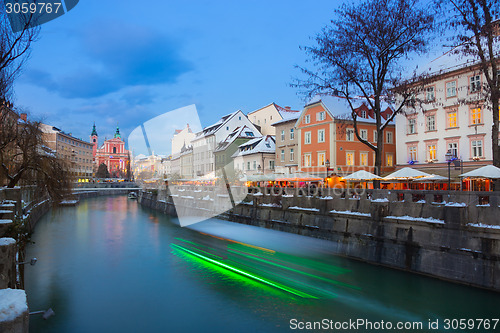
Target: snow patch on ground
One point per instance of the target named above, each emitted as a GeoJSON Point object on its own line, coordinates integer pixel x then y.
{"type": "Point", "coordinates": [270, 205]}
{"type": "Point", "coordinates": [380, 200]}
{"type": "Point", "coordinates": [7, 241]}
{"type": "Point", "coordinates": [486, 226]}
{"type": "Point", "coordinates": [326, 198]}
{"type": "Point", "coordinates": [303, 208]}
{"type": "Point", "coordinates": [258, 194]}
{"type": "Point", "coordinates": [5, 221]}
{"type": "Point", "coordinates": [416, 219]}
{"type": "Point", "coordinates": [12, 304]}
{"type": "Point", "coordinates": [485, 205]}
{"type": "Point", "coordinates": [456, 204]}
{"type": "Point", "coordinates": [348, 212]}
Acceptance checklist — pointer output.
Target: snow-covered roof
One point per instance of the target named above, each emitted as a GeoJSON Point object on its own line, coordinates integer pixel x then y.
{"type": "Point", "coordinates": [244, 132]}
{"type": "Point", "coordinates": [295, 117]}
{"type": "Point", "coordinates": [209, 130]}
{"type": "Point", "coordinates": [264, 144]}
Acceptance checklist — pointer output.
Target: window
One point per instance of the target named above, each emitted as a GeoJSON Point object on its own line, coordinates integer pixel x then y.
{"type": "Point", "coordinates": [282, 155]}
{"type": "Point", "coordinates": [292, 155]}
{"type": "Point", "coordinates": [431, 122]}
{"type": "Point", "coordinates": [292, 134]}
{"type": "Point", "coordinates": [412, 153]}
{"type": "Point", "coordinates": [248, 165]}
{"type": "Point", "coordinates": [375, 136]}
{"type": "Point", "coordinates": [412, 126]}
{"type": "Point", "coordinates": [453, 148]}
{"type": "Point", "coordinates": [363, 114]}
{"type": "Point", "coordinates": [363, 159]}
{"type": "Point", "coordinates": [307, 138]}
{"type": "Point", "coordinates": [282, 135]}
{"type": "Point", "coordinates": [388, 137]}
{"type": "Point", "coordinates": [114, 150]}
{"type": "Point", "coordinates": [475, 83]}
{"type": "Point", "coordinates": [451, 89]}
{"type": "Point", "coordinates": [363, 134]}
{"type": "Point", "coordinates": [307, 119]}
{"type": "Point", "coordinates": [349, 157]}
{"type": "Point", "coordinates": [475, 115]}
{"type": "Point", "coordinates": [321, 135]}
{"type": "Point", "coordinates": [477, 148]}
{"type": "Point", "coordinates": [350, 134]}
{"type": "Point", "coordinates": [307, 160]}
{"type": "Point", "coordinates": [321, 159]}
{"type": "Point", "coordinates": [389, 160]}
{"type": "Point", "coordinates": [249, 133]}
{"type": "Point", "coordinates": [255, 165]}
{"type": "Point", "coordinates": [451, 120]}
{"type": "Point", "coordinates": [320, 116]}
{"type": "Point", "coordinates": [431, 152]}
{"type": "Point", "coordinates": [429, 94]}
{"type": "Point", "coordinates": [271, 165]}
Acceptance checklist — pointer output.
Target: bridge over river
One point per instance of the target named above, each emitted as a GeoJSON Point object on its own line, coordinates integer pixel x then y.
{"type": "Point", "coordinates": [110, 265]}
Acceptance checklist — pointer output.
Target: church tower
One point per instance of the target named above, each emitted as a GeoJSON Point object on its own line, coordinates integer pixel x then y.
{"type": "Point", "coordinates": [94, 139]}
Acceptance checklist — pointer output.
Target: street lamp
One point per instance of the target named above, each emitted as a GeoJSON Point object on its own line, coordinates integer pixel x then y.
{"type": "Point", "coordinates": [449, 158]}
{"type": "Point", "coordinates": [327, 164]}
{"type": "Point", "coordinates": [259, 168]}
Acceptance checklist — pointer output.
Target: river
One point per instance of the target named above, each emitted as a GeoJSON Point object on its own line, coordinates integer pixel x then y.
{"type": "Point", "coordinates": [110, 265]}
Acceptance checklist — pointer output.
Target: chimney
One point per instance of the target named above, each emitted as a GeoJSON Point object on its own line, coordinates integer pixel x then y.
{"type": "Point", "coordinates": [24, 116]}
{"type": "Point", "coordinates": [288, 108]}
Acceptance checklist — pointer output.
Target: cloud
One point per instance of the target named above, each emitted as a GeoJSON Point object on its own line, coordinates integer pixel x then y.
{"type": "Point", "coordinates": [116, 56]}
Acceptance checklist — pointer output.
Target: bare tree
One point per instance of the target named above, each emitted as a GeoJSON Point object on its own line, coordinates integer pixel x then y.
{"type": "Point", "coordinates": [25, 160]}
{"type": "Point", "coordinates": [14, 48]}
{"type": "Point", "coordinates": [476, 35]}
{"type": "Point", "coordinates": [358, 56]}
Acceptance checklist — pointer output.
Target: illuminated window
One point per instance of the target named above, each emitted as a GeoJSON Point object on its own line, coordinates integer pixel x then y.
{"type": "Point", "coordinates": [451, 119]}
{"type": "Point", "coordinates": [431, 152]}
{"type": "Point", "coordinates": [307, 138]}
{"type": "Point", "coordinates": [429, 94]}
{"type": "Point", "coordinates": [412, 128]}
{"type": "Point", "coordinates": [451, 89]}
{"type": "Point", "coordinates": [321, 159]}
{"type": "Point", "coordinates": [389, 160]}
{"type": "Point", "coordinates": [349, 158]}
{"type": "Point", "coordinates": [307, 160]}
{"type": "Point", "coordinates": [321, 135]}
{"type": "Point", "coordinates": [350, 134]}
{"type": "Point", "coordinates": [431, 123]}
{"type": "Point", "coordinates": [475, 115]}
{"type": "Point", "coordinates": [363, 159]}
{"type": "Point", "coordinates": [477, 148]}
{"type": "Point", "coordinates": [475, 83]}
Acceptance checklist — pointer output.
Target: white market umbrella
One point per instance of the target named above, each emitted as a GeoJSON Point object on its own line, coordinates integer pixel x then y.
{"type": "Point", "coordinates": [488, 171]}
{"type": "Point", "coordinates": [362, 175]}
{"type": "Point", "coordinates": [432, 178]}
{"type": "Point", "coordinates": [406, 173]}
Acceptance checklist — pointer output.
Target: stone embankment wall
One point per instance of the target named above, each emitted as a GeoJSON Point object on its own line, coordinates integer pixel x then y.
{"type": "Point", "coordinates": [448, 235]}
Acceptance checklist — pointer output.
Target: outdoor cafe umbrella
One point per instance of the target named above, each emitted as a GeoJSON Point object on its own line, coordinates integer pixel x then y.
{"type": "Point", "coordinates": [432, 178]}
{"type": "Point", "coordinates": [361, 175]}
{"type": "Point", "coordinates": [406, 173]}
{"type": "Point", "coordinates": [487, 171]}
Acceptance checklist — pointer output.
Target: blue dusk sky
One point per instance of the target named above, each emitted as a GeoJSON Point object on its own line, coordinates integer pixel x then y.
{"type": "Point", "coordinates": [127, 62]}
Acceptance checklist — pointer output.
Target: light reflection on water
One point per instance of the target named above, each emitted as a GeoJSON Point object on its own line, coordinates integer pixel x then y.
{"type": "Point", "coordinates": [107, 266]}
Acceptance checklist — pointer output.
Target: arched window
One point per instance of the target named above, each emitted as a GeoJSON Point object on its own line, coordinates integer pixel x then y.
{"type": "Point", "coordinates": [114, 150]}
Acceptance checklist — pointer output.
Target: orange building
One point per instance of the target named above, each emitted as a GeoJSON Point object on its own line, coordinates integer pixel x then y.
{"type": "Point", "coordinates": [326, 136]}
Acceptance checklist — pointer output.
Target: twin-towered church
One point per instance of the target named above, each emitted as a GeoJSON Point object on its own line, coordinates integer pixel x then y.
{"type": "Point", "coordinates": [112, 153]}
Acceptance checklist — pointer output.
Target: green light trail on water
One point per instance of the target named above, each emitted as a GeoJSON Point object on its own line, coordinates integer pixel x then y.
{"type": "Point", "coordinates": [244, 273]}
